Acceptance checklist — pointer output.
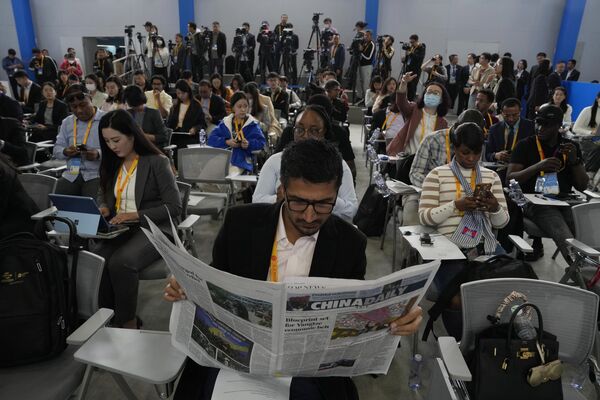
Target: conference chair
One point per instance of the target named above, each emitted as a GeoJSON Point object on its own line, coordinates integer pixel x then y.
{"type": "Point", "coordinates": [158, 269]}
{"type": "Point", "coordinates": [570, 313]}
{"type": "Point", "coordinates": [31, 149]}
{"type": "Point", "coordinates": [38, 187]}
{"type": "Point", "coordinates": [206, 169]}
{"type": "Point", "coordinates": [586, 244]}
{"type": "Point", "coordinates": [59, 378]}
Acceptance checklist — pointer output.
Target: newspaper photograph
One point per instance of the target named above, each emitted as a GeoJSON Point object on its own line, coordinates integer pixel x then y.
{"type": "Point", "coordinates": [304, 326]}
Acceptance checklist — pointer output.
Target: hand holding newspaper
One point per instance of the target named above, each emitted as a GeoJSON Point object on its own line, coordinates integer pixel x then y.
{"type": "Point", "coordinates": [301, 327]}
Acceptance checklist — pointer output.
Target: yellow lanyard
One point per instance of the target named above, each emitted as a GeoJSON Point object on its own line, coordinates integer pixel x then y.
{"type": "Point", "coordinates": [489, 118]}
{"type": "Point", "coordinates": [514, 142]}
{"type": "Point", "coordinates": [239, 133]}
{"type": "Point", "coordinates": [448, 157]}
{"type": "Point", "coordinates": [274, 265]}
{"type": "Point", "coordinates": [385, 123]}
{"type": "Point", "coordinates": [87, 131]}
{"type": "Point", "coordinates": [543, 156]}
{"type": "Point", "coordinates": [120, 188]}
{"type": "Point", "coordinates": [459, 186]}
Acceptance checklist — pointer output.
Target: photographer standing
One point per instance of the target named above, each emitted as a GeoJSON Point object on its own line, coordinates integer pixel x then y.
{"type": "Point", "coordinates": [243, 47]}
{"type": "Point", "coordinates": [367, 53]}
{"type": "Point", "coordinates": [278, 31]}
{"type": "Point", "coordinates": [160, 57]}
{"type": "Point", "coordinates": [217, 50]}
{"type": "Point", "coordinates": [196, 47]}
{"type": "Point", "coordinates": [327, 35]}
{"type": "Point", "coordinates": [152, 32]}
{"type": "Point", "coordinates": [415, 54]}
{"type": "Point", "coordinates": [337, 57]}
{"type": "Point", "coordinates": [384, 59]}
{"type": "Point", "coordinates": [178, 56]}
{"type": "Point", "coordinates": [266, 39]}
{"type": "Point", "coordinates": [289, 50]}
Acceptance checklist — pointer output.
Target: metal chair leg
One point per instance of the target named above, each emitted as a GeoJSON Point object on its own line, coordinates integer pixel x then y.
{"type": "Point", "coordinates": [81, 393]}
{"type": "Point", "coordinates": [164, 391]}
{"type": "Point", "coordinates": [123, 386]}
{"type": "Point", "coordinates": [386, 222]}
{"type": "Point", "coordinates": [555, 254]}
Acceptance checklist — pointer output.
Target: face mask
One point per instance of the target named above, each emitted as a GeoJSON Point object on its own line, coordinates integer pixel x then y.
{"type": "Point", "coordinates": [90, 87]}
{"type": "Point", "coordinates": [432, 100]}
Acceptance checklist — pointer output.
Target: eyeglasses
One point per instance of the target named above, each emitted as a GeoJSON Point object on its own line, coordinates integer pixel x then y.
{"type": "Point", "coordinates": [312, 131]}
{"type": "Point", "coordinates": [300, 205]}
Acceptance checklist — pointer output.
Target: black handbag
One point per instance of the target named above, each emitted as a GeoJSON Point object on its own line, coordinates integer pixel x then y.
{"type": "Point", "coordinates": [506, 367]}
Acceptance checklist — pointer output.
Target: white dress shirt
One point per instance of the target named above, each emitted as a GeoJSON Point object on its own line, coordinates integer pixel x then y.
{"type": "Point", "coordinates": [128, 196]}
{"type": "Point", "coordinates": [293, 259]}
{"type": "Point", "coordinates": [346, 204]}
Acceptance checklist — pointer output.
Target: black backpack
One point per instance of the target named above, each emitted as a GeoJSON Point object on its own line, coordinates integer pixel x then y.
{"type": "Point", "coordinates": [37, 299]}
{"type": "Point", "coordinates": [370, 216]}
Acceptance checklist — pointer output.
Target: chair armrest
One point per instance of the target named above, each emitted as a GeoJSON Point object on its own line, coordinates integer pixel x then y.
{"type": "Point", "coordinates": [44, 213]}
{"type": "Point", "coordinates": [583, 248]}
{"type": "Point", "coordinates": [453, 358]}
{"type": "Point", "coordinates": [593, 195]}
{"type": "Point", "coordinates": [188, 222]}
{"type": "Point", "coordinates": [45, 142]}
{"type": "Point", "coordinates": [44, 146]}
{"type": "Point", "coordinates": [91, 326]}
{"type": "Point", "coordinates": [170, 147]}
{"type": "Point", "coordinates": [28, 167]}
{"type": "Point", "coordinates": [521, 244]}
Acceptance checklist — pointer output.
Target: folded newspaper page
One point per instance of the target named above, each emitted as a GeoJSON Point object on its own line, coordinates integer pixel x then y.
{"type": "Point", "coordinates": [301, 327]}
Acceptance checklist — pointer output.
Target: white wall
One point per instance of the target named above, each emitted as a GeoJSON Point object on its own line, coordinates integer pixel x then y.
{"type": "Point", "coordinates": [520, 27]}
{"type": "Point", "coordinates": [588, 43]}
{"type": "Point", "coordinates": [232, 13]}
{"type": "Point", "coordinates": [8, 34]}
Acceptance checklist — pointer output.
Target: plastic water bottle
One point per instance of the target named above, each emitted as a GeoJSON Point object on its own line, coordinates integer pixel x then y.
{"type": "Point", "coordinates": [414, 378]}
{"type": "Point", "coordinates": [375, 136]}
{"type": "Point", "coordinates": [515, 193]}
{"type": "Point", "coordinates": [372, 154]}
{"type": "Point", "coordinates": [523, 326]}
{"type": "Point", "coordinates": [380, 184]}
{"type": "Point", "coordinates": [202, 137]}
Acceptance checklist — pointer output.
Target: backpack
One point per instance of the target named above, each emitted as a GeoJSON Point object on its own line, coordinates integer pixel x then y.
{"type": "Point", "coordinates": [370, 216]}
{"type": "Point", "coordinates": [37, 299]}
{"type": "Point", "coordinates": [500, 266]}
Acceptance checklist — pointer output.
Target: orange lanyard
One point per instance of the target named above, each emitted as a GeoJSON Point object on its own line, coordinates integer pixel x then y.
{"type": "Point", "coordinates": [385, 123]}
{"type": "Point", "coordinates": [87, 131]}
{"type": "Point", "coordinates": [514, 142]}
{"type": "Point", "coordinates": [239, 133]}
{"type": "Point", "coordinates": [543, 156]}
{"type": "Point", "coordinates": [274, 264]}
{"type": "Point", "coordinates": [448, 157]}
{"type": "Point", "coordinates": [121, 188]}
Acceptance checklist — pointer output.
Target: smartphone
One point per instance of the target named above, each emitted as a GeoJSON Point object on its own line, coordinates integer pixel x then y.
{"type": "Point", "coordinates": [81, 147]}
{"type": "Point", "coordinates": [482, 190]}
{"type": "Point", "coordinates": [425, 239]}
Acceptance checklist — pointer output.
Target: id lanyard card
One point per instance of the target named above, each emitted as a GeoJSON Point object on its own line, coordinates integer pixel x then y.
{"type": "Point", "coordinates": [74, 165]}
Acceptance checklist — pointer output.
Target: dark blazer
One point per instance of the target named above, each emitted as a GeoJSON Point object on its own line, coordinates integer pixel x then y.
{"type": "Point", "coordinates": [522, 83]}
{"type": "Point", "coordinates": [153, 124]}
{"type": "Point", "coordinates": [156, 193]}
{"type": "Point", "coordinates": [9, 107]}
{"type": "Point", "coordinates": [13, 134]}
{"type": "Point", "coordinates": [458, 74]}
{"type": "Point", "coordinates": [554, 81]}
{"type": "Point", "coordinates": [217, 109]}
{"type": "Point", "coordinates": [463, 76]}
{"type": "Point", "coordinates": [194, 117]}
{"type": "Point", "coordinates": [496, 143]}
{"type": "Point", "coordinates": [59, 112]}
{"type": "Point", "coordinates": [35, 96]}
{"type": "Point", "coordinates": [337, 62]}
{"type": "Point", "coordinates": [280, 102]}
{"type": "Point", "coordinates": [573, 77]}
{"type": "Point", "coordinates": [49, 70]}
{"type": "Point", "coordinates": [538, 93]}
{"type": "Point", "coordinates": [506, 90]}
{"type": "Point", "coordinates": [104, 66]}
{"type": "Point", "coordinates": [221, 44]}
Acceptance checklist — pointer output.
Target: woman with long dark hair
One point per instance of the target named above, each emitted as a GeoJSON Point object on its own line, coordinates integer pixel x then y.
{"type": "Point", "coordinates": [559, 98]}
{"type": "Point", "coordinates": [216, 81]}
{"type": "Point", "coordinates": [388, 88]}
{"type": "Point", "coordinates": [136, 182]}
{"type": "Point", "coordinates": [237, 83]}
{"type": "Point", "coordinates": [186, 115]}
{"type": "Point", "coordinates": [538, 92]}
{"type": "Point", "coordinates": [505, 88]}
{"type": "Point", "coordinates": [589, 119]}
{"type": "Point", "coordinates": [114, 90]}
{"type": "Point", "coordinates": [522, 77]}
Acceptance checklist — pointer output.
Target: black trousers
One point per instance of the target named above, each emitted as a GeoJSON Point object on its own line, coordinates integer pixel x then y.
{"type": "Point", "coordinates": [78, 187]}
{"type": "Point", "coordinates": [265, 62]}
{"type": "Point", "coordinates": [246, 70]}
{"type": "Point", "coordinates": [463, 101]}
{"type": "Point", "coordinates": [125, 256]}
{"type": "Point", "coordinates": [215, 65]}
{"type": "Point", "coordinates": [197, 383]}
{"type": "Point", "coordinates": [198, 67]}
{"type": "Point", "coordinates": [411, 89]}
{"type": "Point", "coordinates": [453, 92]}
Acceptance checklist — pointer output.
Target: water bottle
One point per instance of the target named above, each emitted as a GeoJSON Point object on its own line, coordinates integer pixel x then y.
{"type": "Point", "coordinates": [372, 154]}
{"type": "Point", "coordinates": [516, 194]}
{"type": "Point", "coordinates": [380, 184]}
{"type": "Point", "coordinates": [202, 137]}
{"type": "Point", "coordinates": [414, 377]}
{"type": "Point", "coordinates": [523, 326]}
{"type": "Point", "coordinates": [375, 136]}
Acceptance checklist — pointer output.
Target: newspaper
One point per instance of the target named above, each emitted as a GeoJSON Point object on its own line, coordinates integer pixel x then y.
{"type": "Point", "coordinates": [299, 327]}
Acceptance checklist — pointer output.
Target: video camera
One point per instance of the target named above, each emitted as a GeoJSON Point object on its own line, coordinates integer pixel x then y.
{"type": "Point", "coordinates": [356, 41]}
{"type": "Point", "coordinates": [240, 31]}
{"type": "Point", "coordinates": [406, 46]}
{"type": "Point", "coordinates": [129, 29]}
{"type": "Point", "coordinates": [315, 18]}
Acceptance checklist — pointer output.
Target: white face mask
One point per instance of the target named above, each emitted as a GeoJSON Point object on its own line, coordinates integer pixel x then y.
{"type": "Point", "coordinates": [90, 87]}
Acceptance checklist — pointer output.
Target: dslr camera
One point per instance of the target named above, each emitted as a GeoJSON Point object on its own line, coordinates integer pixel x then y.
{"type": "Point", "coordinates": [406, 46]}
{"type": "Point", "coordinates": [315, 18]}
{"type": "Point", "coordinates": [129, 29]}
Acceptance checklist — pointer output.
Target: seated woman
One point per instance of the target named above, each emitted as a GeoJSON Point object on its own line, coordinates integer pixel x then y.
{"type": "Point", "coordinates": [63, 84]}
{"type": "Point", "coordinates": [136, 181]}
{"type": "Point", "coordinates": [148, 119]}
{"type": "Point", "coordinates": [389, 88]}
{"type": "Point", "coordinates": [216, 80]}
{"type": "Point", "coordinates": [92, 84]}
{"type": "Point", "coordinates": [589, 119]}
{"type": "Point", "coordinates": [373, 91]}
{"type": "Point", "coordinates": [262, 109]}
{"type": "Point", "coordinates": [49, 116]}
{"type": "Point", "coordinates": [240, 132]}
{"type": "Point", "coordinates": [186, 116]}
{"type": "Point", "coordinates": [237, 83]}
{"type": "Point", "coordinates": [114, 90]}
{"type": "Point", "coordinates": [559, 99]}
{"type": "Point", "coordinates": [450, 204]}
{"type": "Point", "coordinates": [314, 123]}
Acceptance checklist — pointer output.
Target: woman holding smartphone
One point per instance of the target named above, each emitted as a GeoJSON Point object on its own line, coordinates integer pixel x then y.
{"type": "Point", "coordinates": [136, 182]}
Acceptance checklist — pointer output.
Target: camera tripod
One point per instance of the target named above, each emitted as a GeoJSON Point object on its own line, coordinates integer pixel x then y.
{"type": "Point", "coordinates": [309, 53]}
{"type": "Point", "coordinates": [133, 60]}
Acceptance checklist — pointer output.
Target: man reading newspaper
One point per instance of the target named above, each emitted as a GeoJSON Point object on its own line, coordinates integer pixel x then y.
{"type": "Point", "coordinates": [296, 237]}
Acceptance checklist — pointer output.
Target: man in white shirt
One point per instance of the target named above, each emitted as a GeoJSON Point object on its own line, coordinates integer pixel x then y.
{"type": "Point", "coordinates": [157, 98]}
{"type": "Point", "coordinates": [269, 188]}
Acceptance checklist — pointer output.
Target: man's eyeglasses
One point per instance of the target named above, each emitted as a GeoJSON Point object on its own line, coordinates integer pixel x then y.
{"type": "Point", "coordinates": [300, 205]}
{"type": "Point", "coordinates": [312, 131]}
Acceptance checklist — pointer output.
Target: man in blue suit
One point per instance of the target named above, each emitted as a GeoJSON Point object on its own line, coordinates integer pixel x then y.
{"type": "Point", "coordinates": [338, 55]}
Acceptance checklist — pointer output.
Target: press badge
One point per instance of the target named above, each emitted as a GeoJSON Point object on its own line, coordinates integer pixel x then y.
{"type": "Point", "coordinates": [73, 165]}
{"type": "Point", "coordinates": [40, 71]}
{"type": "Point", "coordinates": [215, 47]}
{"type": "Point", "coordinates": [551, 184]}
